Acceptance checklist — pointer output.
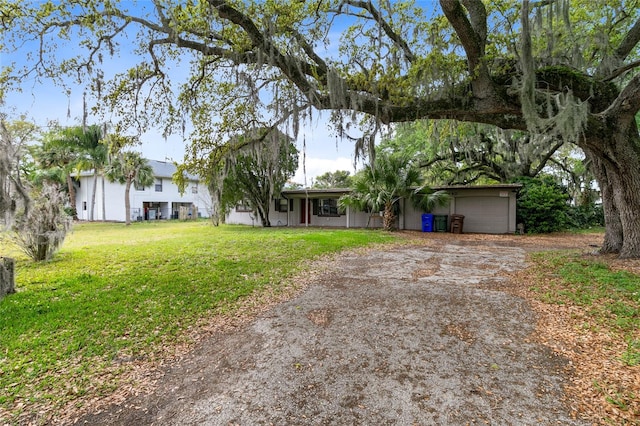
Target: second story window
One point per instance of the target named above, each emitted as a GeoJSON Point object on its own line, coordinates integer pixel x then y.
{"type": "Point", "coordinates": [194, 188]}
{"type": "Point", "coordinates": [159, 185]}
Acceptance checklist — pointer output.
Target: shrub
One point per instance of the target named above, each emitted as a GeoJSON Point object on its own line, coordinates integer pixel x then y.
{"type": "Point", "coordinates": [41, 232]}
{"type": "Point", "coordinates": [542, 205]}
{"type": "Point", "coordinates": [587, 216]}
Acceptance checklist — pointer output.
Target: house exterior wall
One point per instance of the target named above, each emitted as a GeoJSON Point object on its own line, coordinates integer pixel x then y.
{"type": "Point", "coordinates": [250, 218]}
{"type": "Point", "coordinates": [165, 201]}
{"type": "Point", "coordinates": [487, 209]}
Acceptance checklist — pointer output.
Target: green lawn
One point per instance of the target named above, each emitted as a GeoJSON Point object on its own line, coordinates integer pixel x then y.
{"type": "Point", "coordinates": [116, 293]}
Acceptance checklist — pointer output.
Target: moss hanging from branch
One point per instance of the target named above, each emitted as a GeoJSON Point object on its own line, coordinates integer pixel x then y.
{"type": "Point", "coordinates": [566, 115]}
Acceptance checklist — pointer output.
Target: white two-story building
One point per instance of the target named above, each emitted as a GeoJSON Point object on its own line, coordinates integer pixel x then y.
{"type": "Point", "coordinates": [161, 200]}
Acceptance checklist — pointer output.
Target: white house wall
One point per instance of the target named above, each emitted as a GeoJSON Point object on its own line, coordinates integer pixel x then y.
{"type": "Point", "coordinates": [114, 199]}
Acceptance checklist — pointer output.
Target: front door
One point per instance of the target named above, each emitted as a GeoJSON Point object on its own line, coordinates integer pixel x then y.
{"type": "Point", "coordinates": [305, 213]}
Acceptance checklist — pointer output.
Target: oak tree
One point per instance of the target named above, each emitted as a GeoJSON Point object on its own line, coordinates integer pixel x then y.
{"type": "Point", "coordinates": [557, 68]}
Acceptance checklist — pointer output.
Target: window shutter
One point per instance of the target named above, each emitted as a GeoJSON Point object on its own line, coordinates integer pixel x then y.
{"type": "Point", "coordinates": [315, 206]}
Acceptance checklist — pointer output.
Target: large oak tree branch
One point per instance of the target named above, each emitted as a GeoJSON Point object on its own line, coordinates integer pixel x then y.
{"type": "Point", "coordinates": [388, 30]}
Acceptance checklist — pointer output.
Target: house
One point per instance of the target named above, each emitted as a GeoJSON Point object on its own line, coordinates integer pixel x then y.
{"type": "Point", "coordinates": [489, 209]}
{"type": "Point", "coordinates": [162, 200]}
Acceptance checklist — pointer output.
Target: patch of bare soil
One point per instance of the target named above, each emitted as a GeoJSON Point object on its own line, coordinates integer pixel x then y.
{"type": "Point", "coordinates": [431, 332]}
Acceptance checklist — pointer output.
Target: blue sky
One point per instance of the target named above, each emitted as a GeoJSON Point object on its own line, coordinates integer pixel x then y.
{"type": "Point", "coordinates": [43, 102]}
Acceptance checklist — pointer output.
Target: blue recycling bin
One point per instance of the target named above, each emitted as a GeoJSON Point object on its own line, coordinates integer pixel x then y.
{"type": "Point", "coordinates": [427, 222]}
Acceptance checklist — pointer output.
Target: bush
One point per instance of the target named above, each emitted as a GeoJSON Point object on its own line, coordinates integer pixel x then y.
{"type": "Point", "coordinates": [542, 205]}
{"type": "Point", "coordinates": [42, 231]}
{"type": "Point", "coordinates": [583, 217]}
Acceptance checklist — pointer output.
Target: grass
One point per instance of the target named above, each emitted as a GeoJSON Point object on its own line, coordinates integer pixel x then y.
{"type": "Point", "coordinates": [610, 297]}
{"type": "Point", "coordinates": [119, 293]}
{"type": "Point", "coordinates": [609, 302]}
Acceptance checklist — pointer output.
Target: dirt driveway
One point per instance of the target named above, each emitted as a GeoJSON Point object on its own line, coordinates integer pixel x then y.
{"type": "Point", "coordinates": [417, 334]}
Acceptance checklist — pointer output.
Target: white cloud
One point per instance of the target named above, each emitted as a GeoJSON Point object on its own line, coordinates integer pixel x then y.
{"type": "Point", "coordinates": [317, 166]}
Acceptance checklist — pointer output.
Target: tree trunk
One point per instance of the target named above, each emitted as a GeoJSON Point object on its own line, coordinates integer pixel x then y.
{"type": "Point", "coordinates": [388, 218]}
{"type": "Point", "coordinates": [617, 167]}
{"type": "Point", "coordinates": [613, 227]}
{"type": "Point", "coordinates": [7, 276]}
{"type": "Point", "coordinates": [127, 203]}
{"type": "Point", "coordinates": [104, 207]}
{"type": "Point", "coordinates": [264, 216]}
{"type": "Point", "coordinates": [72, 197]}
{"type": "Point", "coordinates": [93, 195]}
{"type": "Point", "coordinates": [627, 200]}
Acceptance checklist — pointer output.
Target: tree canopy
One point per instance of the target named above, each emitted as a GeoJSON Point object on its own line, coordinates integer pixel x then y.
{"type": "Point", "coordinates": [257, 166]}
{"type": "Point", "coordinates": [557, 68]}
{"type": "Point", "coordinates": [129, 168]}
{"type": "Point", "coordinates": [381, 187]}
{"type": "Point", "coordinates": [337, 179]}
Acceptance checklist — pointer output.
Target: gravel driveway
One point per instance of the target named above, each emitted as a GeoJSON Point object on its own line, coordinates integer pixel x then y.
{"type": "Point", "coordinates": [408, 335]}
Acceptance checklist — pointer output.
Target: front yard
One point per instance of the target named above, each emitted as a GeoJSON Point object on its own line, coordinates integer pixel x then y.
{"type": "Point", "coordinates": [117, 299]}
{"type": "Point", "coordinates": [118, 302]}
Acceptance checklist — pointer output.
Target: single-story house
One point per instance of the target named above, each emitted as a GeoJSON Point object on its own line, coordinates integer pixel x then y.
{"type": "Point", "coordinates": [489, 209]}
{"type": "Point", "coordinates": [161, 200]}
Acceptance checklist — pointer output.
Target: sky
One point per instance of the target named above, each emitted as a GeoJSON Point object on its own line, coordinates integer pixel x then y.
{"type": "Point", "coordinates": [43, 102]}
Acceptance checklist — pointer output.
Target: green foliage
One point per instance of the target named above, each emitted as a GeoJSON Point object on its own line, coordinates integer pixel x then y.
{"type": "Point", "coordinates": [337, 179]}
{"type": "Point", "coordinates": [631, 356]}
{"type": "Point", "coordinates": [68, 150]}
{"type": "Point", "coordinates": [542, 205]}
{"type": "Point", "coordinates": [585, 216]}
{"type": "Point", "coordinates": [129, 168]}
{"type": "Point", "coordinates": [257, 166]}
{"type": "Point", "coordinates": [391, 178]}
{"type": "Point", "coordinates": [116, 294]}
{"type": "Point", "coordinates": [454, 153]}
{"type": "Point", "coordinates": [255, 64]}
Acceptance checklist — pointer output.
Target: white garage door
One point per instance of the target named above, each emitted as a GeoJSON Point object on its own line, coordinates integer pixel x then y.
{"type": "Point", "coordinates": [488, 215]}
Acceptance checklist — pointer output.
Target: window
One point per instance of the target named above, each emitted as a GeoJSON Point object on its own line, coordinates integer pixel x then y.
{"type": "Point", "coordinates": [138, 186]}
{"type": "Point", "coordinates": [84, 205]}
{"type": "Point", "coordinates": [243, 206]}
{"type": "Point", "coordinates": [194, 189]}
{"type": "Point", "coordinates": [159, 185]}
{"type": "Point", "coordinates": [283, 205]}
{"type": "Point", "coordinates": [326, 207]}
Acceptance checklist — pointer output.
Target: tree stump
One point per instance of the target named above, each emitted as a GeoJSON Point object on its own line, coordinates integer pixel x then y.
{"type": "Point", "coordinates": [7, 276]}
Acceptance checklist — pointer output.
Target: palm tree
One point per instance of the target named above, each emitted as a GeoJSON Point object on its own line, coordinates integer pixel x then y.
{"type": "Point", "coordinates": [95, 155]}
{"type": "Point", "coordinates": [127, 168]}
{"type": "Point", "coordinates": [391, 178]}
{"type": "Point", "coordinates": [61, 150]}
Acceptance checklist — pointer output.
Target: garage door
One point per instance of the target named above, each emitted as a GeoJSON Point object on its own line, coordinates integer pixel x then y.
{"type": "Point", "coordinates": [489, 215]}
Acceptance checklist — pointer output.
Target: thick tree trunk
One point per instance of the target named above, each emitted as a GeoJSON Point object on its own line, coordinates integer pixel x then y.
{"type": "Point", "coordinates": [7, 276]}
{"type": "Point", "coordinates": [388, 218]}
{"type": "Point", "coordinates": [627, 200]}
{"type": "Point", "coordinates": [613, 227]}
{"type": "Point", "coordinates": [617, 167]}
